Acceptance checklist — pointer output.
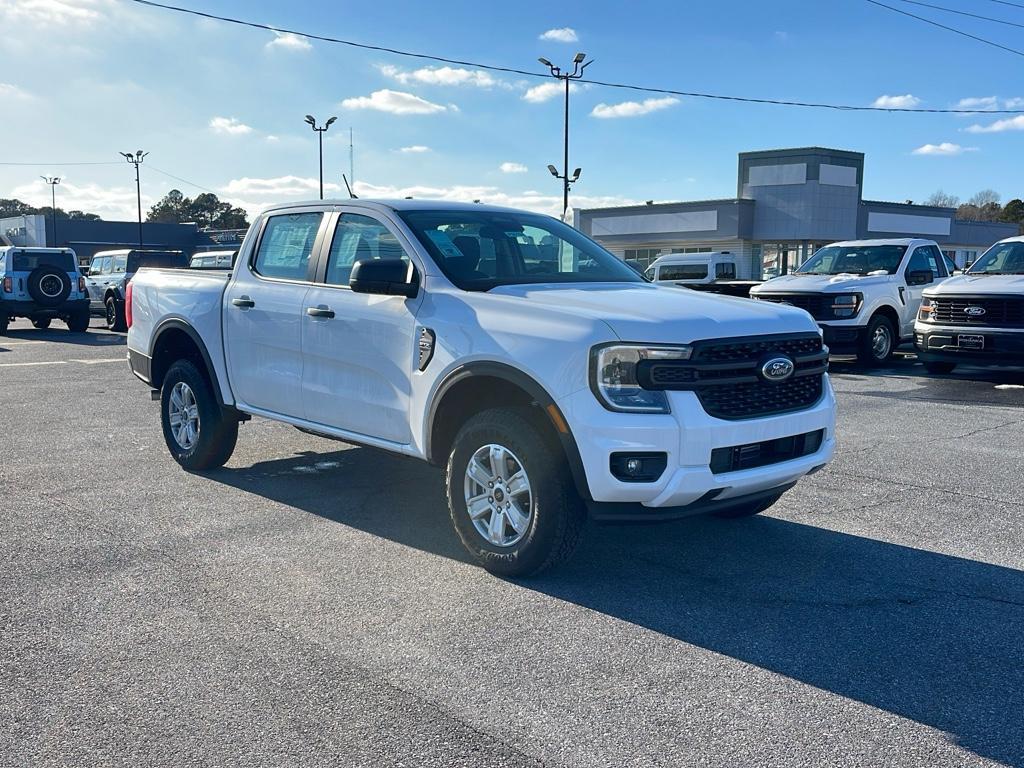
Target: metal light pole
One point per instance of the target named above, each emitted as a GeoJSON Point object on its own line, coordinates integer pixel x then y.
{"type": "Point", "coordinates": [136, 160]}
{"type": "Point", "coordinates": [53, 181]}
{"type": "Point", "coordinates": [320, 132]}
{"type": "Point", "coordinates": [578, 65]}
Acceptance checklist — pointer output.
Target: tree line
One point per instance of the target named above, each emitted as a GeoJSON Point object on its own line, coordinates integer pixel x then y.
{"type": "Point", "coordinates": [206, 210]}
{"type": "Point", "coordinates": [982, 206]}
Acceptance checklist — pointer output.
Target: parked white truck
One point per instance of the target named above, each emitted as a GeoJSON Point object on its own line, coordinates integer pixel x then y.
{"type": "Point", "coordinates": [978, 317]}
{"type": "Point", "coordinates": [548, 377]}
{"type": "Point", "coordinates": [864, 293]}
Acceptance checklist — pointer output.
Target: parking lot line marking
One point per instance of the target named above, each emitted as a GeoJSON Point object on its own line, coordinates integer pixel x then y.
{"type": "Point", "coordinates": [20, 343]}
{"type": "Point", "coordinates": [104, 360]}
{"type": "Point", "coordinates": [41, 362]}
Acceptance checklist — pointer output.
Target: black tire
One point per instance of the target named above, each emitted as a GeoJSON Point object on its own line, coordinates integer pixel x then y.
{"type": "Point", "coordinates": [42, 323]}
{"type": "Point", "coordinates": [217, 429]}
{"type": "Point", "coordinates": [869, 350]}
{"type": "Point", "coordinates": [78, 322]}
{"type": "Point", "coordinates": [747, 510]}
{"type": "Point", "coordinates": [115, 314]}
{"type": "Point", "coordinates": [557, 514]}
{"type": "Point", "coordinates": [3, 324]}
{"type": "Point", "coordinates": [49, 286]}
{"type": "Point", "coordinates": [939, 366]}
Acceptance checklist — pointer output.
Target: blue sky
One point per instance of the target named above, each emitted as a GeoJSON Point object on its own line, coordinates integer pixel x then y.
{"type": "Point", "coordinates": [222, 106]}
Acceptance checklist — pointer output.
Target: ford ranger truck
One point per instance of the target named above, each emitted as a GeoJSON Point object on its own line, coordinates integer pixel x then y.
{"type": "Point", "coordinates": [976, 318]}
{"type": "Point", "coordinates": [864, 293]}
{"type": "Point", "coordinates": [550, 380]}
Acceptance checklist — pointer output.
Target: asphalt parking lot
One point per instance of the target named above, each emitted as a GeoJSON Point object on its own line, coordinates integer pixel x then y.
{"type": "Point", "coordinates": [310, 604]}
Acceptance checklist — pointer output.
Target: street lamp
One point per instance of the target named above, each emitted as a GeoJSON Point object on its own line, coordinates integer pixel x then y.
{"type": "Point", "coordinates": [320, 132]}
{"type": "Point", "coordinates": [136, 160]}
{"type": "Point", "coordinates": [53, 181]}
{"type": "Point", "coordinates": [579, 63]}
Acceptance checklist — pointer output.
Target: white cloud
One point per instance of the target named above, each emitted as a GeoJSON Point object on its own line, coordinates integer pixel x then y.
{"type": "Point", "coordinates": [980, 103]}
{"type": "Point", "coordinates": [287, 41]}
{"type": "Point", "coordinates": [281, 186]}
{"type": "Point", "coordinates": [906, 101]}
{"type": "Point", "coordinates": [561, 35]}
{"type": "Point", "coordinates": [945, 148]}
{"type": "Point", "coordinates": [440, 76]}
{"type": "Point", "coordinates": [999, 126]}
{"type": "Point", "coordinates": [46, 12]}
{"type": "Point", "coordinates": [11, 91]}
{"type": "Point", "coordinates": [633, 108]}
{"type": "Point", "coordinates": [271, 138]}
{"type": "Point", "coordinates": [111, 203]}
{"type": "Point", "coordinates": [415, 149]}
{"type": "Point", "coordinates": [230, 126]}
{"type": "Point", "coordinates": [395, 102]}
{"type": "Point", "coordinates": [513, 168]}
{"type": "Point", "coordinates": [547, 91]}
{"type": "Point", "coordinates": [1014, 103]}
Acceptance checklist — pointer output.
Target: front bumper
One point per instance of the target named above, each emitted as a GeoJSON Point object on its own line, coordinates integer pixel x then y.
{"type": "Point", "coordinates": [941, 344]}
{"type": "Point", "coordinates": [687, 436]}
{"type": "Point", "coordinates": [840, 338]}
{"type": "Point", "coordinates": [32, 309]}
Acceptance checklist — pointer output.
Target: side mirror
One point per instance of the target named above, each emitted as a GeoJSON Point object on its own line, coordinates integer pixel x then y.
{"type": "Point", "coordinates": [920, 277]}
{"type": "Point", "coordinates": [387, 277]}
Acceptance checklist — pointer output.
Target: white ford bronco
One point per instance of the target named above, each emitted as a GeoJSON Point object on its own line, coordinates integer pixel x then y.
{"type": "Point", "coordinates": [550, 379]}
{"type": "Point", "coordinates": [864, 293]}
{"type": "Point", "coordinates": [976, 318]}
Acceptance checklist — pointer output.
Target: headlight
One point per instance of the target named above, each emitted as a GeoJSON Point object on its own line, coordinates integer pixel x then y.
{"type": "Point", "coordinates": [926, 311]}
{"type": "Point", "coordinates": [613, 376]}
{"type": "Point", "coordinates": [845, 304]}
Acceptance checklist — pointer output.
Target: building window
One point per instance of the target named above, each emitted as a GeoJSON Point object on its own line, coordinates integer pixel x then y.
{"type": "Point", "coordinates": [641, 257]}
{"type": "Point", "coordinates": [692, 250]}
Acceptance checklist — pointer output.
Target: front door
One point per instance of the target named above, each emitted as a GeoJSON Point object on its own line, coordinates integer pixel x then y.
{"type": "Point", "coordinates": [263, 311]}
{"type": "Point", "coordinates": [925, 258]}
{"type": "Point", "coordinates": [359, 348]}
{"type": "Point", "coordinates": [97, 281]}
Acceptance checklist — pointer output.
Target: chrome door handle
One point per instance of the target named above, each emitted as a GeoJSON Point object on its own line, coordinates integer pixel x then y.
{"type": "Point", "coordinates": [320, 311]}
{"type": "Point", "coordinates": [244, 302]}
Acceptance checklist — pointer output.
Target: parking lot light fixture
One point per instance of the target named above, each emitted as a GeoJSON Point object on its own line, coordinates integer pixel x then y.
{"type": "Point", "coordinates": [579, 63]}
{"type": "Point", "coordinates": [53, 181]}
{"type": "Point", "coordinates": [136, 160]}
{"type": "Point", "coordinates": [320, 133]}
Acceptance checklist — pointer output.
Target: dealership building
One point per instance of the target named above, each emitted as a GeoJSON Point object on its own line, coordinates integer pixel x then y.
{"type": "Point", "coordinates": [789, 202]}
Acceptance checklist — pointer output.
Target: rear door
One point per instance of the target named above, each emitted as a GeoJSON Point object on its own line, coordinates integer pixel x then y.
{"type": "Point", "coordinates": [359, 348]}
{"type": "Point", "coordinates": [263, 312]}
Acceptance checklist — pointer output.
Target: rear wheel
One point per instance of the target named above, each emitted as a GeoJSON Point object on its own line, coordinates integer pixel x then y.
{"type": "Point", "coordinates": [878, 341]}
{"type": "Point", "coordinates": [41, 323]}
{"type": "Point", "coordinates": [78, 322]}
{"type": "Point", "coordinates": [939, 366]}
{"type": "Point", "coordinates": [115, 315]}
{"type": "Point", "coordinates": [198, 432]}
{"type": "Point", "coordinates": [748, 510]}
{"type": "Point", "coordinates": [3, 324]}
{"type": "Point", "coordinates": [511, 495]}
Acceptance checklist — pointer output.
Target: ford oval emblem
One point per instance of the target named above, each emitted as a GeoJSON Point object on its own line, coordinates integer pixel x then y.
{"type": "Point", "coordinates": [974, 311]}
{"type": "Point", "coordinates": [777, 369]}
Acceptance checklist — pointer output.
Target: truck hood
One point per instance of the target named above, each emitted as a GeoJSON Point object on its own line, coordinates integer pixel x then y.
{"type": "Point", "coordinates": [663, 314]}
{"type": "Point", "coordinates": [978, 285]}
{"type": "Point", "coordinates": [821, 283]}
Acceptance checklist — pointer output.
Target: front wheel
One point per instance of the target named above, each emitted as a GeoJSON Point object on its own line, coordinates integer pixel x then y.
{"type": "Point", "coordinates": [42, 323]}
{"type": "Point", "coordinates": [939, 366]}
{"type": "Point", "coordinates": [198, 432]}
{"type": "Point", "coordinates": [115, 315]}
{"type": "Point", "coordinates": [78, 322]}
{"type": "Point", "coordinates": [878, 341]}
{"type": "Point", "coordinates": [511, 495]}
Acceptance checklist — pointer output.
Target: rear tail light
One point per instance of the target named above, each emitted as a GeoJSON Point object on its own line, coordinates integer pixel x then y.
{"type": "Point", "coordinates": [81, 284]}
{"type": "Point", "coordinates": [128, 305]}
{"type": "Point", "coordinates": [8, 285]}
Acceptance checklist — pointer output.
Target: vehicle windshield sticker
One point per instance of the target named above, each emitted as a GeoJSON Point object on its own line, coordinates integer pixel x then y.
{"type": "Point", "coordinates": [444, 243]}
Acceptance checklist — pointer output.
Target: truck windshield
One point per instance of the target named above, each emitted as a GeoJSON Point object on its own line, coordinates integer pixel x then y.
{"type": "Point", "coordinates": [480, 250]}
{"type": "Point", "coordinates": [26, 261]}
{"type": "Point", "coordinates": [854, 260]}
{"type": "Point", "coordinates": [1000, 259]}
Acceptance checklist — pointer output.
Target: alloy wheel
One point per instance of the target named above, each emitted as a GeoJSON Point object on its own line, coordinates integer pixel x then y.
{"type": "Point", "coordinates": [498, 495]}
{"type": "Point", "coordinates": [183, 415]}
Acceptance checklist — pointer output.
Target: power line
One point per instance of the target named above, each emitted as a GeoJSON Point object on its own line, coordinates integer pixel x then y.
{"type": "Point", "coordinates": [948, 29]}
{"type": "Point", "coordinates": [178, 178]}
{"type": "Point", "coordinates": [964, 13]}
{"type": "Point", "coordinates": [625, 86]}
{"type": "Point", "coordinates": [1007, 2]}
{"type": "Point", "coordinates": [48, 164]}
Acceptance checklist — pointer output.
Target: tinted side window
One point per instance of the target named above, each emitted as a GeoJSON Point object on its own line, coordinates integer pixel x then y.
{"type": "Point", "coordinates": [287, 245]}
{"type": "Point", "coordinates": [683, 272]}
{"type": "Point", "coordinates": [938, 262]}
{"type": "Point", "coordinates": [359, 237]}
{"type": "Point", "coordinates": [101, 266]}
{"type": "Point", "coordinates": [118, 263]}
{"type": "Point", "coordinates": [725, 271]}
{"type": "Point", "coordinates": [919, 261]}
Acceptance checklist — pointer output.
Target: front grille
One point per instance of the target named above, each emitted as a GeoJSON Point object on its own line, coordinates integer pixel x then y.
{"type": "Point", "coordinates": [819, 305]}
{"type": "Point", "coordinates": [1000, 311]}
{"type": "Point", "coordinates": [724, 374]}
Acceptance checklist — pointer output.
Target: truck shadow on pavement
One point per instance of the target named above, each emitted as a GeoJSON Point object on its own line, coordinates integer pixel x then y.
{"type": "Point", "coordinates": [95, 337]}
{"type": "Point", "coordinates": [929, 637]}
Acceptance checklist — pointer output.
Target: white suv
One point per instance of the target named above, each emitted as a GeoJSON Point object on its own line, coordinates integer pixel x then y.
{"type": "Point", "coordinates": [864, 293]}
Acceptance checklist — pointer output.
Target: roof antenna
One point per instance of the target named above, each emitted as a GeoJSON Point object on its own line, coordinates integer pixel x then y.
{"type": "Point", "coordinates": [351, 194]}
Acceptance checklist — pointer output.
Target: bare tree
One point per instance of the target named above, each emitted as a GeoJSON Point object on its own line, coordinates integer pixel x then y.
{"type": "Point", "coordinates": [941, 199]}
{"type": "Point", "coordinates": [985, 197]}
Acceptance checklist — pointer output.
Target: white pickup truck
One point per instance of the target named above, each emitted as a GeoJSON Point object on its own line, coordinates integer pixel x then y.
{"type": "Point", "coordinates": [978, 317]}
{"type": "Point", "coordinates": [548, 377]}
{"type": "Point", "coordinates": [864, 293]}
